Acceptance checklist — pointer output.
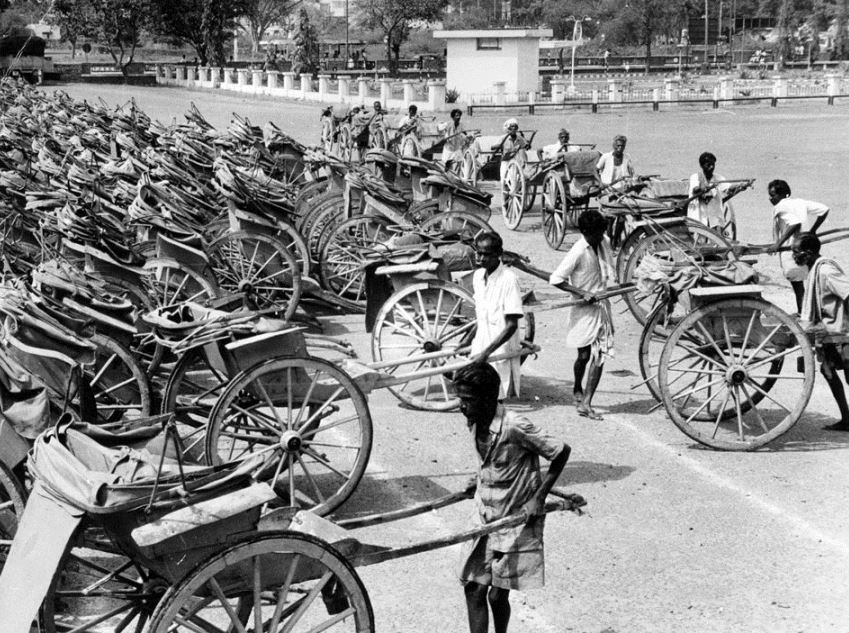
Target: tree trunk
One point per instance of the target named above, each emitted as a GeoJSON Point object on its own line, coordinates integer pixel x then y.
{"type": "Point", "coordinates": [73, 48]}
{"type": "Point", "coordinates": [392, 63]}
{"type": "Point", "coordinates": [840, 40]}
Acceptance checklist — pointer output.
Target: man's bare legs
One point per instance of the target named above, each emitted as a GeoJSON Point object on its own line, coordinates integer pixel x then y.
{"type": "Point", "coordinates": [799, 292]}
{"type": "Point", "coordinates": [480, 600]}
{"type": "Point", "coordinates": [580, 368]}
{"type": "Point", "coordinates": [829, 372]}
{"type": "Point", "coordinates": [584, 397]}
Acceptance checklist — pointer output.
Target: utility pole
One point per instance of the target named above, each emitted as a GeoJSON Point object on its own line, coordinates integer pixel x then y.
{"type": "Point", "coordinates": [347, 53]}
{"type": "Point", "coordinates": [707, 25]}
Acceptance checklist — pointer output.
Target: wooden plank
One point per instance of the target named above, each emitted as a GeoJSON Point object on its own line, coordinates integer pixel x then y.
{"type": "Point", "coordinates": [203, 513]}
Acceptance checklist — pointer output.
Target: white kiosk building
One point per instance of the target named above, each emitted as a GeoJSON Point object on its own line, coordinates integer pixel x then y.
{"type": "Point", "coordinates": [503, 63]}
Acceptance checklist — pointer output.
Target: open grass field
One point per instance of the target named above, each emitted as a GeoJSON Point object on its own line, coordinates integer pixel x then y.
{"type": "Point", "coordinates": [678, 538]}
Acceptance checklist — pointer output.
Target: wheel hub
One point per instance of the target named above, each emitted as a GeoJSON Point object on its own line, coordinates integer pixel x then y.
{"type": "Point", "coordinates": [153, 589]}
{"type": "Point", "coordinates": [736, 375]}
{"type": "Point", "coordinates": [432, 346]}
{"type": "Point", "coordinates": [291, 441]}
{"type": "Point", "coordinates": [245, 286]}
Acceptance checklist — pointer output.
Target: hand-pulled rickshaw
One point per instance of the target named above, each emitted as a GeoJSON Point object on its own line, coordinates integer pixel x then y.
{"type": "Point", "coordinates": [733, 370]}
{"type": "Point", "coordinates": [121, 539]}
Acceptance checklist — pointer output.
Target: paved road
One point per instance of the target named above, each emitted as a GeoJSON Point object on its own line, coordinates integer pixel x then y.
{"type": "Point", "coordinates": [677, 538]}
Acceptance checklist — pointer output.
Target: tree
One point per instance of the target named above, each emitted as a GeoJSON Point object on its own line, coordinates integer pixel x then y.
{"type": "Point", "coordinates": [395, 18]}
{"type": "Point", "coordinates": [75, 19]}
{"type": "Point", "coordinates": [641, 21]}
{"type": "Point", "coordinates": [118, 25]}
{"type": "Point", "coordinates": [188, 22]}
{"type": "Point", "coordinates": [305, 58]}
{"type": "Point", "coordinates": [261, 14]}
{"type": "Point", "coordinates": [180, 23]}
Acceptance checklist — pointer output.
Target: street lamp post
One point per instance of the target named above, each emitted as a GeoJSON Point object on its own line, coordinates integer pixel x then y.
{"type": "Point", "coordinates": [577, 34]}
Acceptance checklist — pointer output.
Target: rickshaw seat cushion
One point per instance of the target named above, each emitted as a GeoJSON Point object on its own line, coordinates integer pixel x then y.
{"type": "Point", "coordinates": [582, 162]}
{"type": "Point", "coordinates": [668, 188]}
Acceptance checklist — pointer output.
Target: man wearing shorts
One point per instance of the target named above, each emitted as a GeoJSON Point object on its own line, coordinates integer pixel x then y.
{"type": "Point", "coordinates": [509, 481]}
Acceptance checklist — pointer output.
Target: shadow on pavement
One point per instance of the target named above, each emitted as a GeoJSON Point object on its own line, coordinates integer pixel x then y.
{"type": "Point", "coordinates": [593, 472]}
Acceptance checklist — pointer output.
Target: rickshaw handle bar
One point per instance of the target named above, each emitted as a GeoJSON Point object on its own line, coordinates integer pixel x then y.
{"type": "Point", "coordinates": [573, 503]}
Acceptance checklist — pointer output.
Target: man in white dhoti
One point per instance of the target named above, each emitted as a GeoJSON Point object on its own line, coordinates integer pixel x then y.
{"type": "Point", "coordinates": [498, 308]}
{"type": "Point", "coordinates": [586, 270]}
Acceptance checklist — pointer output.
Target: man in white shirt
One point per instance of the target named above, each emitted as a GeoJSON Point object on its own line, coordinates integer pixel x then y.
{"type": "Point", "coordinates": [411, 122]}
{"type": "Point", "coordinates": [614, 167]}
{"type": "Point", "coordinates": [587, 270]}
{"type": "Point", "coordinates": [498, 308]}
{"type": "Point", "coordinates": [709, 206]}
{"type": "Point", "coordinates": [793, 216]}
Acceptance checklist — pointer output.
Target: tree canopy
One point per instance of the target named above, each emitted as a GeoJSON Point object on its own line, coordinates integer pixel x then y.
{"type": "Point", "coordinates": [394, 19]}
{"type": "Point", "coordinates": [261, 14]}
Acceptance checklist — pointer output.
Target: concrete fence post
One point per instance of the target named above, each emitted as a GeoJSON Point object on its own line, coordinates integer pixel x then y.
{"type": "Point", "coordinates": [614, 93]}
{"type": "Point", "coordinates": [779, 89]}
{"type": "Point", "coordinates": [306, 84]}
{"type": "Point", "coordinates": [362, 89]}
{"type": "Point", "coordinates": [726, 88]}
{"type": "Point", "coordinates": [832, 87]}
{"type": "Point", "coordinates": [344, 88]}
{"type": "Point", "coordinates": [181, 74]}
{"type": "Point", "coordinates": [385, 91]}
{"type": "Point", "coordinates": [409, 92]}
{"type": "Point", "coordinates": [256, 80]}
{"type": "Point", "coordinates": [228, 77]}
{"type": "Point", "coordinates": [242, 77]}
{"type": "Point", "coordinates": [670, 89]}
{"type": "Point", "coordinates": [436, 95]}
{"type": "Point", "coordinates": [159, 73]}
{"type": "Point", "coordinates": [272, 79]}
{"type": "Point", "coordinates": [288, 80]}
{"type": "Point", "coordinates": [595, 98]}
{"type": "Point", "coordinates": [500, 98]}
{"type": "Point", "coordinates": [323, 85]}
{"type": "Point", "coordinates": [558, 90]}
{"type": "Point", "coordinates": [655, 99]}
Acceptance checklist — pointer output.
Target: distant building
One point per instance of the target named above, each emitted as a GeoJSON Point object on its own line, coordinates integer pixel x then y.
{"type": "Point", "coordinates": [49, 32]}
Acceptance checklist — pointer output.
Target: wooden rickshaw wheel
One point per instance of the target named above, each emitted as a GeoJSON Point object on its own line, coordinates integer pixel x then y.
{"type": "Point", "coordinates": [310, 409]}
{"type": "Point", "coordinates": [659, 324]}
{"type": "Point", "coordinates": [723, 354]}
{"type": "Point", "coordinates": [346, 143]}
{"type": "Point", "coordinates": [268, 581]}
{"type": "Point", "coordinates": [97, 589]}
{"type": "Point", "coordinates": [330, 215]}
{"type": "Point", "coordinates": [118, 383]}
{"type": "Point", "coordinates": [465, 226]}
{"type": "Point", "coordinates": [410, 146]}
{"type": "Point", "coordinates": [513, 195]}
{"type": "Point", "coordinates": [258, 266]}
{"type": "Point", "coordinates": [428, 316]}
{"type": "Point", "coordinates": [553, 210]}
{"type": "Point", "coordinates": [193, 387]}
{"type": "Point", "coordinates": [292, 239]}
{"type": "Point", "coordinates": [346, 250]}
{"type": "Point", "coordinates": [377, 138]}
{"type": "Point", "coordinates": [675, 248]}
